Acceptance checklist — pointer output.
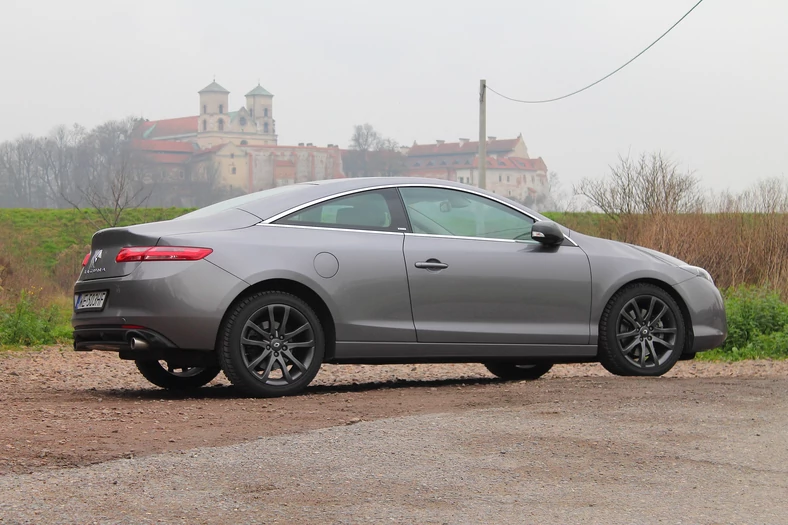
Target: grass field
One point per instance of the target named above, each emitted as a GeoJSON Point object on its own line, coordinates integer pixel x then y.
{"type": "Point", "coordinates": [41, 252]}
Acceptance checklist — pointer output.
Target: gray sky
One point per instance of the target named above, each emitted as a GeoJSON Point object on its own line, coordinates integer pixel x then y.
{"type": "Point", "coordinates": [712, 94]}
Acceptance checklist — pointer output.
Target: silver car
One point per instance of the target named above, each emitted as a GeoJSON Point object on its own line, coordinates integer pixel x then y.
{"type": "Point", "coordinates": [268, 286]}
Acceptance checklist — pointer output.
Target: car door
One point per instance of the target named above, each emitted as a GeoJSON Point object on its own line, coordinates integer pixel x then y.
{"type": "Point", "coordinates": [350, 248]}
{"type": "Point", "coordinates": [476, 276]}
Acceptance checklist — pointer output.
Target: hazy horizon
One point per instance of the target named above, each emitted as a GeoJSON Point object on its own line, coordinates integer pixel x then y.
{"type": "Point", "coordinates": [708, 95]}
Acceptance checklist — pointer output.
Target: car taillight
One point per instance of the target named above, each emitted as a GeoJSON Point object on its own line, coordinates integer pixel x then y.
{"type": "Point", "coordinates": [85, 260]}
{"type": "Point", "coordinates": [161, 253]}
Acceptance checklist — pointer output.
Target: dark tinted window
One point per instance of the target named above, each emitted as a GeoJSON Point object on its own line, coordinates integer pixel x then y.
{"type": "Point", "coordinates": [369, 210]}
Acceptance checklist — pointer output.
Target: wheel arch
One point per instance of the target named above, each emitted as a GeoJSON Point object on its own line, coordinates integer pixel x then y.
{"type": "Point", "coordinates": [301, 291]}
{"type": "Point", "coordinates": [689, 334]}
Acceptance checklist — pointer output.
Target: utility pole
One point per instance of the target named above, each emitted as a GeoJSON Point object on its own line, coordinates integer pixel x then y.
{"type": "Point", "coordinates": [483, 134]}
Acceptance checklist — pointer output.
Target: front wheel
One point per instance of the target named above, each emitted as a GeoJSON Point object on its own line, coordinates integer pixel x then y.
{"type": "Point", "coordinates": [271, 345]}
{"type": "Point", "coordinates": [642, 332]}
{"type": "Point", "coordinates": [515, 372]}
{"type": "Point", "coordinates": [171, 378]}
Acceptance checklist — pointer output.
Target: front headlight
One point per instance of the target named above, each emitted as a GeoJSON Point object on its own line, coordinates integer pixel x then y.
{"type": "Point", "coordinates": [700, 272]}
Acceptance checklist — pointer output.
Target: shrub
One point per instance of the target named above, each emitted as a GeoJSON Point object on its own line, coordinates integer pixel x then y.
{"type": "Point", "coordinates": [757, 325]}
{"type": "Point", "coordinates": [753, 311]}
{"type": "Point", "coordinates": [26, 323]}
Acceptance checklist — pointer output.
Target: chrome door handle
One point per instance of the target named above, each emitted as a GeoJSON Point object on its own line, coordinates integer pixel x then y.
{"type": "Point", "coordinates": [431, 264]}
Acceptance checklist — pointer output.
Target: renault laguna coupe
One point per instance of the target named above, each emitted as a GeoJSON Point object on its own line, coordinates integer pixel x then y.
{"type": "Point", "coordinates": [268, 286]}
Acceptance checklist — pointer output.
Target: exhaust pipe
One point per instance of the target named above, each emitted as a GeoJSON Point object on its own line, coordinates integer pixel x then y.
{"type": "Point", "coordinates": [138, 344]}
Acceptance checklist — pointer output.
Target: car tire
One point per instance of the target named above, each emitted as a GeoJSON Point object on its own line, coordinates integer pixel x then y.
{"type": "Point", "coordinates": [189, 378]}
{"type": "Point", "coordinates": [518, 372]}
{"type": "Point", "coordinates": [271, 344]}
{"type": "Point", "coordinates": [642, 332]}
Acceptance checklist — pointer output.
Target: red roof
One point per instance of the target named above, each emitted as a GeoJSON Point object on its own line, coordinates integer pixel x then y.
{"type": "Point", "coordinates": [169, 146]}
{"type": "Point", "coordinates": [167, 128]}
{"type": "Point", "coordinates": [459, 148]}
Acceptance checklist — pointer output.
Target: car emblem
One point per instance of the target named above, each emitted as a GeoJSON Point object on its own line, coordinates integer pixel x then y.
{"type": "Point", "coordinates": [93, 261]}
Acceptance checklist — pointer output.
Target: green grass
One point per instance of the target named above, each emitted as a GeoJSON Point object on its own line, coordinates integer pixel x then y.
{"type": "Point", "coordinates": [26, 324]}
{"type": "Point", "coordinates": [41, 235]}
{"type": "Point", "coordinates": [757, 326]}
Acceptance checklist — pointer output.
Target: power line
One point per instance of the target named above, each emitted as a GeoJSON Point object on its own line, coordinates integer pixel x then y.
{"type": "Point", "coordinates": [604, 77]}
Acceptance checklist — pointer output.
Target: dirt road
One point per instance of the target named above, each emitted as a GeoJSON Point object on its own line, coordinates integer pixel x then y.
{"type": "Point", "coordinates": [445, 444]}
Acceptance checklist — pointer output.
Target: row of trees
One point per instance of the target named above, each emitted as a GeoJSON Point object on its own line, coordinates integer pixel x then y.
{"type": "Point", "coordinates": [653, 184]}
{"type": "Point", "coordinates": [73, 167]}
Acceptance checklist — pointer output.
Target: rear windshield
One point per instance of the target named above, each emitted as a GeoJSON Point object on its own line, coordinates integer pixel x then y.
{"type": "Point", "coordinates": [237, 202]}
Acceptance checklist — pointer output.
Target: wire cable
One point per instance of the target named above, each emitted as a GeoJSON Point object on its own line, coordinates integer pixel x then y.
{"type": "Point", "coordinates": [604, 77]}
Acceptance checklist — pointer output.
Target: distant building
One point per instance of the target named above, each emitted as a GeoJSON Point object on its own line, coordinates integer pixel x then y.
{"type": "Point", "coordinates": [237, 148]}
{"type": "Point", "coordinates": [219, 152]}
{"type": "Point", "coordinates": [510, 171]}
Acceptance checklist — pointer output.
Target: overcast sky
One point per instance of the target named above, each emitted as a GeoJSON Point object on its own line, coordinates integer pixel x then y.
{"type": "Point", "coordinates": [712, 94]}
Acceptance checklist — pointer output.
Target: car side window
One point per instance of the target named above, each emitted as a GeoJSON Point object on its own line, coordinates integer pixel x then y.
{"type": "Point", "coordinates": [439, 211]}
{"type": "Point", "coordinates": [369, 210]}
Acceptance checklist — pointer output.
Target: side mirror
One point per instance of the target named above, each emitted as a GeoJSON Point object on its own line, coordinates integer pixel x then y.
{"type": "Point", "coordinates": [547, 233]}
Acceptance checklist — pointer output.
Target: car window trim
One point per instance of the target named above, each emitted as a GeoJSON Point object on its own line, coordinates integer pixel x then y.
{"type": "Point", "coordinates": [329, 228]}
{"type": "Point", "coordinates": [466, 238]}
{"type": "Point", "coordinates": [391, 197]}
{"type": "Point", "coordinates": [295, 209]}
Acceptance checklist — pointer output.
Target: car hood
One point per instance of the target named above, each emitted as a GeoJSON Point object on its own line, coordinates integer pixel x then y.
{"type": "Point", "coordinates": [658, 255]}
{"type": "Point", "coordinates": [623, 249]}
{"type": "Point", "coordinates": [615, 263]}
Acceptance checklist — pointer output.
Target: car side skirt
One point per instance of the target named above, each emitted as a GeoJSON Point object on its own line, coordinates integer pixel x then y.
{"type": "Point", "coordinates": [381, 353]}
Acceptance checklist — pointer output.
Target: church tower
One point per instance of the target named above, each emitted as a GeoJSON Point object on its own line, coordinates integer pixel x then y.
{"type": "Point", "coordinates": [259, 103]}
{"type": "Point", "coordinates": [213, 108]}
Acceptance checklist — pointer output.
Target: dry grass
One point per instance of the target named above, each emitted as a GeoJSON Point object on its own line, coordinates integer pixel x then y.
{"type": "Point", "coordinates": [736, 248]}
{"type": "Point", "coordinates": [739, 239]}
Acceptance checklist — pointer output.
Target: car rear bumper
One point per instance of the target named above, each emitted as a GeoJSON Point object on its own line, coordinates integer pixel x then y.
{"type": "Point", "coordinates": [707, 313]}
{"type": "Point", "coordinates": [147, 346]}
{"type": "Point", "coordinates": [177, 304]}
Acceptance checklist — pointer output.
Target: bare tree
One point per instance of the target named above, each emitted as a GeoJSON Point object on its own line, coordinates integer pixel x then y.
{"type": "Point", "coordinates": [553, 198]}
{"type": "Point", "coordinates": [650, 184]}
{"type": "Point", "coordinates": [112, 175]}
{"type": "Point", "coordinates": [19, 166]}
{"type": "Point", "coordinates": [206, 183]}
{"type": "Point", "coordinates": [365, 138]}
{"type": "Point", "coordinates": [371, 154]}
{"type": "Point", "coordinates": [59, 163]}
{"type": "Point", "coordinates": [7, 187]}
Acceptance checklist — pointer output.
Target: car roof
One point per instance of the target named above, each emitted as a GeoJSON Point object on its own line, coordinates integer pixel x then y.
{"type": "Point", "coordinates": [269, 203]}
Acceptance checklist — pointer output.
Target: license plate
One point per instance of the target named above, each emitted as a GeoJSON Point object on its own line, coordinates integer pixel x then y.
{"type": "Point", "coordinates": [89, 301]}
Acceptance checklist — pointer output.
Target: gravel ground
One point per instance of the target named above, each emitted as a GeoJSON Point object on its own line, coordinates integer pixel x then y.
{"type": "Point", "coordinates": [396, 444]}
{"type": "Point", "coordinates": [62, 369]}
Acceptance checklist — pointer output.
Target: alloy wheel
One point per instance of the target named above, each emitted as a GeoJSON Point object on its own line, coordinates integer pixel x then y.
{"type": "Point", "coordinates": [277, 344]}
{"type": "Point", "coordinates": [646, 331]}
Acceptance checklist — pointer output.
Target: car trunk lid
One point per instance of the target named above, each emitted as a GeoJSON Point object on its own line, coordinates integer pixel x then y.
{"type": "Point", "coordinates": [107, 243]}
